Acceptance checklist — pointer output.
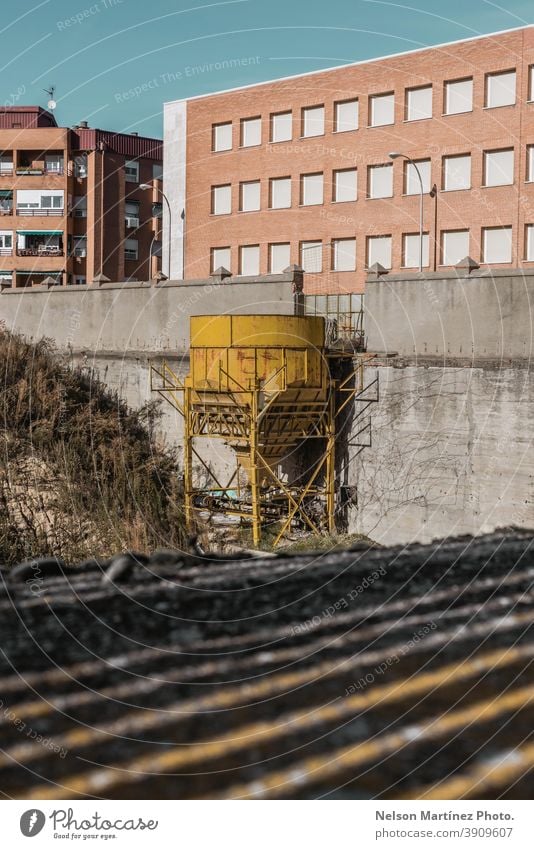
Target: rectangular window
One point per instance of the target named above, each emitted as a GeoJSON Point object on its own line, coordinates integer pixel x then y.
{"type": "Point", "coordinates": [79, 247]}
{"type": "Point", "coordinates": [379, 250]}
{"type": "Point", "coordinates": [6, 163]}
{"type": "Point", "coordinates": [531, 83]}
{"type": "Point", "coordinates": [220, 258]}
{"type": "Point", "coordinates": [131, 249]}
{"type": "Point", "coordinates": [456, 172]}
{"type": "Point", "coordinates": [79, 207]}
{"type": "Point", "coordinates": [249, 260]}
{"type": "Point", "coordinates": [312, 121]}
{"type": "Point", "coordinates": [529, 242]}
{"type": "Point", "coordinates": [52, 201]}
{"type": "Point", "coordinates": [279, 257]}
{"type": "Point", "coordinates": [381, 109]}
{"type": "Point", "coordinates": [496, 244]}
{"type": "Point", "coordinates": [311, 192]}
{"type": "Point", "coordinates": [28, 199]}
{"type": "Point", "coordinates": [157, 171]}
{"type": "Point", "coordinates": [458, 96]}
{"type": "Point", "coordinates": [250, 132]}
{"type": "Point", "coordinates": [221, 136]}
{"type": "Point", "coordinates": [411, 245]}
{"type": "Point", "coordinates": [54, 163]}
{"type": "Point", "coordinates": [131, 208]}
{"type": "Point", "coordinates": [500, 89]}
{"type": "Point", "coordinates": [131, 171]}
{"type": "Point", "coordinates": [454, 246]}
{"type": "Point", "coordinates": [6, 242]}
{"type": "Point", "coordinates": [280, 193]}
{"type": "Point", "coordinates": [412, 186]}
{"type": "Point", "coordinates": [221, 200]}
{"type": "Point", "coordinates": [311, 257]}
{"type": "Point", "coordinates": [380, 181]}
{"type": "Point", "coordinates": [498, 167]}
{"type": "Point", "coordinates": [418, 103]}
{"type": "Point", "coordinates": [80, 166]}
{"type": "Point", "coordinates": [344, 255]}
{"type": "Point", "coordinates": [530, 162]}
{"type": "Point", "coordinates": [346, 116]}
{"type": "Point", "coordinates": [345, 185]}
{"type": "Point", "coordinates": [249, 196]}
{"type": "Point", "coordinates": [281, 126]}
{"type": "Point", "coordinates": [80, 280]}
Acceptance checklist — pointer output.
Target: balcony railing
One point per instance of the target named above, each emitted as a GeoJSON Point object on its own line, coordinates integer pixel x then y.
{"type": "Point", "coordinates": [6, 251]}
{"type": "Point", "coordinates": [6, 172]}
{"type": "Point", "coordinates": [37, 172]}
{"type": "Point", "coordinates": [6, 210]}
{"type": "Point", "coordinates": [41, 212]}
{"type": "Point", "coordinates": [41, 250]}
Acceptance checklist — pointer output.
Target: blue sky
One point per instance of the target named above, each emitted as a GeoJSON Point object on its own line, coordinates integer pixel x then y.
{"type": "Point", "coordinates": [96, 53]}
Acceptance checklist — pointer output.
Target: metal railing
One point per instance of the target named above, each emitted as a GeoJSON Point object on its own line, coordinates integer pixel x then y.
{"type": "Point", "coordinates": [6, 251]}
{"type": "Point", "coordinates": [6, 211]}
{"type": "Point", "coordinates": [45, 213]}
{"type": "Point", "coordinates": [343, 311]}
{"type": "Point", "coordinates": [40, 251]}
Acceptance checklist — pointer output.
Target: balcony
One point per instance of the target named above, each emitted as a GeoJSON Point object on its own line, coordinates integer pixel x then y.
{"type": "Point", "coordinates": [39, 211]}
{"type": "Point", "coordinates": [41, 250]}
{"type": "Point", "coordinates": [6, 210]}
{"type": "Point", "coordinates": [6, 251]}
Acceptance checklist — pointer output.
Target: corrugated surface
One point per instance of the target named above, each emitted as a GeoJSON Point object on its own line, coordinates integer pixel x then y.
{"type": "Point", "coordinates": [122, 143]}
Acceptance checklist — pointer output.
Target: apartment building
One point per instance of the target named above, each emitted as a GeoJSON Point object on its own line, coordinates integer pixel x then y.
{"type": "Point", "coordinates": [72, 203]}
{"type": "Point", "coordinates": [298, 170]}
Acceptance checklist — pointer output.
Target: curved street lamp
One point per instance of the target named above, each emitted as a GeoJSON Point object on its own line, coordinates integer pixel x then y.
{"type": "Point", "coordinates": [396, 155]}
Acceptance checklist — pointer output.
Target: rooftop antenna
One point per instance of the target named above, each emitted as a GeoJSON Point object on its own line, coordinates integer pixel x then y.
{"type": "Point", "coordinates": [50, 92]}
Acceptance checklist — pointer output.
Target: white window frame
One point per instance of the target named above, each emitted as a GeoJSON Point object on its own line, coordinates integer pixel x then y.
{"type": "Point", "coordinates": [411, 180]}
{"type": "Point", "coordinates": [131, 171]}
{"type": "Point", "coordinates": [312, 121]}
{"type": "Point", "coordinates": [131, 246]}
{"type": "Point", "coordinates": [311, 189]}
{"type": "Point", "coordinates": [530, 163]}
{"type": "Point", "coordinates": [218, 261]}
{"type": "Point", "coordinates": [493, 169]}
{"type": "Point", "coordinates": [498, 92]}
{"type": "Point", "coordinates": [381, 242]}
{"type": "Point", "coordinates": [279, 185]}
{"type": "Point", "coordinates": [219, 137]}
{"type": "Point", "coordinates": [345, 191]}
{"type": "Point", "coordinates": [410, 248]}
{"type": "Point", "coordinates": [446, 249]}
{"type": "Point", "coordinates": [388, 98]}
{"type": "Point", "coordinates": [6, 234]}
{"type": "Point", "coordinates": [350, 122]}
{"type": "Point", "coordinates": [410, 109]}
{"type": "Point", "coordinates": [221, 199]}
{"type": "Point", "coordinates": [311, 262]}
{"type": "Point", "coordinates": [246, 252]}
{"type": "Point", "coordinates": [343, 260]}
{"type": "Point", "coordinates": [448, 172]}
{"type": "Point", "coordinates": [372, 173]}
{"type": "Point", "coordinates": [529, 242]}
{"type": "Point", "coordinates": [279, 266]}
{"type": "Point", "coordinates": [250, 132]}
{"type": "Point", "coordinates": [487, 250]}
{"type": "Point", "coordinates": [250, 196]}
{"type": "Point", "coordinates": [449, 88]}
{"type": "Point", "coordinates": [281, 133]}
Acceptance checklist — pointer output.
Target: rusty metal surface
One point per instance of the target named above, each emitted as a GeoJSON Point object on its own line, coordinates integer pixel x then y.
{"type": "Point", "coordinates": [392, 673]}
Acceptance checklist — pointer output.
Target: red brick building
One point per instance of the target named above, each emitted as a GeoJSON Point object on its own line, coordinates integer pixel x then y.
{"type": "Point", "coordinates": [298, 170]}
{"type": "Point", "coordinates": [71, 206]}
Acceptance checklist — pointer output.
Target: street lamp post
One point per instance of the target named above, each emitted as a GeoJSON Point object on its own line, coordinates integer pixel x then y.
{"type": "Point", "coordinates": [396, 155]}
{"type": "Point", "coordinates": [146, 187]}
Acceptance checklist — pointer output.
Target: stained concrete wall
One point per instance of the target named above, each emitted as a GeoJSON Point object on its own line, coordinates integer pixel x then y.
{"type": "Point", "coordinates": [126, 317]}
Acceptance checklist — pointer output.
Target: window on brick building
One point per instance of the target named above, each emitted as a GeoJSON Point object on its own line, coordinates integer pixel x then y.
{"type": "Point", "coordinates": [498, 167]}
{"type": "Point", "coordinates": [312, 121]}
{"type": "Point", "coordinates": [418, 103]}
{"type": "Point", "coordinates": [381, 109]}
{"type": "Point", "coordinates": [530, 163]}
{"type": "Point", "coordinates": [249, 260]}
{"type": "Point", "coordinates": [311, 189]}
{"type": "Point", "coordinates": [529, 242]}
{"type": "Point", "coordinates": [311, 256]}
{"type": "Point", "coordinates": [531, 83]}
{"type": "Point", "coordinates": [221, 258]}
{"type": "Point", "coordinates": [249, 196]}
{"type": "Point", "coordinates": [379, 250]}
{"type": "Point", "coordinates": [458, 96]}
{"type": "Point", "coordinates": [344, 255]}
{"type": "Point", "coordinates": [221, 136]}
{"type": "Point", "coordinates": [496, 244]}
{"type": "Point", "coordinates": [346, 116]}
{"type": "Point", "coordinates": [131, 171]}
{"type": "Point", "coordinates": [280, 193]}
{"type": "Point", "coordinates": [380, 181]}
{"type": "Point", "coordinates": [279, 257]}
{"type": "Point", "coordinates": [454, 246]}
{"type": "Point", "coordinates": [345, 185]}
{"type": "Point", "coordinates": [456, 172]}
{"type": "Point", "coordinates": [250, 132]}
{"type": "Point", "coordinates": [411, 248]}
{"type": "Point", "coordinates": [281, 126]}
{"type": "Point", "coordinates": [221, 200]}
{"type": "Point", "coordinates": [500, 89]}
{"type": "Point", "coordinates": [411, 180]}
{"type": "Point", "coordinates": [131, 249]}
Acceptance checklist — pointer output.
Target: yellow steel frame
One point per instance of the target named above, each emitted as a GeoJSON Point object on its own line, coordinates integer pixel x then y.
{"type": "Point", "coordinates": [256, 419]}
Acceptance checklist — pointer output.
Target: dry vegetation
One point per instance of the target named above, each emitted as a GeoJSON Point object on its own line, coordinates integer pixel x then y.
{"type": "Point", "coordinates": [80, 473]}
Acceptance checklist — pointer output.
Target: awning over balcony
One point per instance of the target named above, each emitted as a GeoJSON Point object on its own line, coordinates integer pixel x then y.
{"type": "Point", "coordinates": [39, 232]}
{"type": "Point", "coordinates": [6, 193]}
{"type": "Point", "coordinates": [53, 273]}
